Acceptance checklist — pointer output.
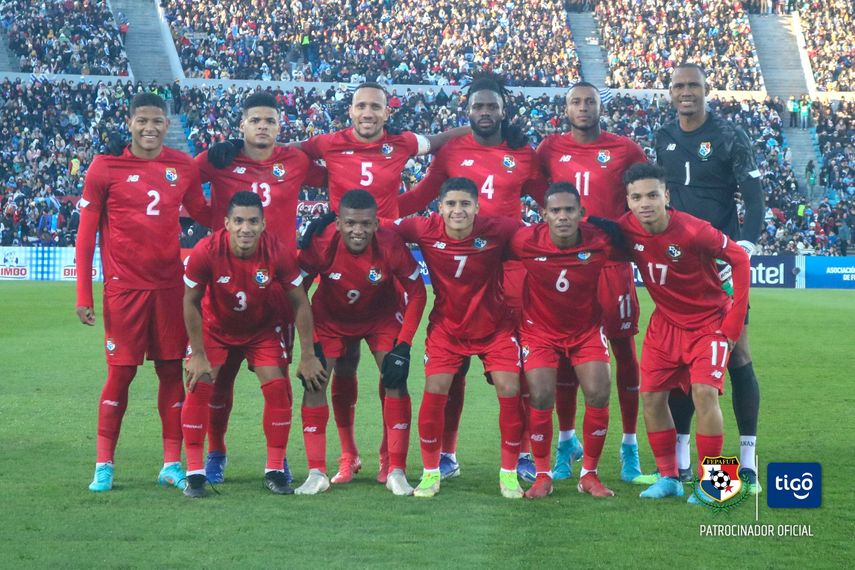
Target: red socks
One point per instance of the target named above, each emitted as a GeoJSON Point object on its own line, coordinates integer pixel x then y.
{"type": "Point", "coordinates": [170, 396]}
{"type": "Point", "coordinates": [664, 445]}
{"type": "Point", "coordinates": [315, 435]}
{"type": "Point", "coordinates": [510, 429]}
{"type": "Point", "coordinates": [594, 429]}
{"type": "Point", "coordinates": [220, 407]}
{"type": "Point", "coordinates": [453, 411]}
{"type": "Point", "coordinates": [430, 428]}
{"type": "Point", "coordinates": [627, 382]}
{"type": "Point", "coordinates": [397, 415]}
{"type": "Point", "coordinates": [566, 391]}
{"type": "Point", "coordinates": [276, 420]}
{"type": "Point", "coordinates": [344, 394]}
{"type": "Point", "coordinates": [525, 447]}
{"type": "Point", "coordinates": [194, 424]}
{"type": "Point", "coordinates": [540, 427]}
{"type": "Point", "coordinates": [111, 409]}
{"type": "Point", "coordinates": [708, 446]}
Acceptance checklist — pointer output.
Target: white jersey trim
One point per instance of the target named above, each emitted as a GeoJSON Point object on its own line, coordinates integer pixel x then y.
{"type": "Point", "coordinates": [424, 145]}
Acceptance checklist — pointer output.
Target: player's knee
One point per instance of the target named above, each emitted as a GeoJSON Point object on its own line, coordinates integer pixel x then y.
{"type": "Point", "coordinates": [598, 398]}
{"type": "Point", "coordinates": [540, 398]}
{"type": "Point", "coordinates": [655, 402]}
{"type": "Point", "coordinates": [705, 398]}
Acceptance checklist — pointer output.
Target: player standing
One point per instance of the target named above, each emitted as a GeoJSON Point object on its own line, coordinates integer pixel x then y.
{"type": "Point", "coordinates": [595, 162]}
{"type": "Point", "coordinates": [132, 201]}
{"type": "Point", "coordinates": [497, 157]}
{"type": "Point", "coordinates": [708, 160]}
{"type": "Point", "coordinates": [360, 266]}
{"type": "Point", "coordinates": [463, 253]}
{"type": "Point", "coordinates": [232, 272]}
{"type": "Point", "coordinates": [276, 174]}
{"type": "Point", "coordinates": [563, 259]}
{"type": "Point", "coordinates": [695, 323]}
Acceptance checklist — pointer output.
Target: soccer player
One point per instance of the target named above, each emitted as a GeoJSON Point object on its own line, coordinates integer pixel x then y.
{"type": "Point", "coordinates": [232, 273]}
{"type": "Point", "coordinates": [708, 160]}
{"type": "Point", "coordinates": [276, 174]}
{"type": "Point", "coordinates": [563, 259]}
{"type": "Point", "coordinates": [695, 324]}
{"type": "Point", "coordinates": [497, 157]}
{"type": "Point", "coordinates": [132, 202]}
{"type": "Point", "coordinates": [361, 268]}
{"type": "Point", "coordinates": [594, 162]}
{"type": "Point", "coordinates": [463, 253]}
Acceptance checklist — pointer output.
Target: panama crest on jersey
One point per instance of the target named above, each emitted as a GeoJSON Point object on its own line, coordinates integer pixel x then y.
{"type": "Point", "coordinates": [604, 156]}
{"type": "Point", "coordinates": [509, 162]}
{"type": "Point", "coordinates": [674, 251]}
{"type": "Point", "coordinates": [387, 149]}
{"type": "Point", "coordinates": [374, 275]}
{"type": "Point", "coordinates": [262, 277]}
{"type": "Point", "coordinates": [705, 150]}
{"type": "Point", "coordinates": [171, 174]}
{"type": "Point", "coordinates": [279, 170]}
{"type": "Point", "coordinates": [584, 255]}
{"type": "Point", "coordinates": [479, 243]}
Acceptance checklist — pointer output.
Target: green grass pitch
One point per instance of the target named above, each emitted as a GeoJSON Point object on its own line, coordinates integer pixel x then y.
{"type": "Point", "coordinates": [53, 369]}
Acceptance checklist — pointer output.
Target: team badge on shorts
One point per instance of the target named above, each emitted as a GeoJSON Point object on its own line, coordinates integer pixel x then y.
{"type": "Point", "coordinates": [110, 345]}
{"type": "Point", "coordinates": [525, 351]}
{"type": "Point", "coordinates": [171, 175]}
{"type": "Point", "coordinates": [509, 162]}
{"type": "Point", "coordinates": [262, 277]}
{"type": "Point", "coordinates": [674, 251]}
{"type": "Point", "coordinates": [604, 157]}
{"type": "Point", "coordinates": [705, 150]}
{"type": "Point", "coordinates": [584, 255]}
{"type": "Point", "coordinates": [387, 149]}
{"type": "Point", "coordinates": [720, 482]}
{"type": "Point", "coordinates": [374, 275]}
{"type": "Point", "coordinates": [479, 243]}
{"type": "Point", "coordinates": [279, 170]}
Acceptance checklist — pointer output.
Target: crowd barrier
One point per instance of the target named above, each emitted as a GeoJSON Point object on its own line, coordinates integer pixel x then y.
{"type": "Point", "coordinates": [783, 272]}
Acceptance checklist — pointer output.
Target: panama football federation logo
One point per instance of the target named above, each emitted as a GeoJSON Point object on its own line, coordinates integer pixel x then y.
{"type": "Point", "coordinates": [525, 352]}
{"type": "Point", "coordinates": [705, 150]}
{"type": "Point", "coordinates": [262, 277]}
{"type": "Point", "coordinates": [674, 251]}
{"type": "Point", "coordinates": [479, 243]}
{"type": "Point", "coordinates": [387, 149]}
{"type": "Point", "coordinates": [584, 255]}
{"type": "Point", "coordinates": [374, 275]}
{"type": "Point", "coordinates": [509, 162]}
{"type": "Point", "coordinates": [171, 175]}
{"type": "Point", "coordinates": [604, 156]}
{"type": "Point", "coordinates": [279, 170]}
{"type": "Point", "coordinates": [720, 487]}
{"type": "Point", "coordinates": [111, 346]}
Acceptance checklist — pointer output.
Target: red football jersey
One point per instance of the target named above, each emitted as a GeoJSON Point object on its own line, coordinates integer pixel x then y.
{"type": "Point", "coordinates": [277, 181]}
{"type": "Point", "coordinates": [678, 268]}
{"type": "Point", "coordinates": [595, 169]}
{"type": "Point", "coordinates": [501, 173]}
{"type": "Point", "coordinates": [466, 274]}
{"type": "Point", "coordinates": [375, 166]}
{"type": "Point", "coordinates": [360, 288]}
{"type": "Point", "coordinates": [560, 289]}
{"type": "Point", "coordinates": [238, 299]}
{"type": "Point", "coordinates": [135, 204]}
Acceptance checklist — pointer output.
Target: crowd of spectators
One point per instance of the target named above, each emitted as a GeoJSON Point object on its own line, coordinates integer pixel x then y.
{"type": "Point", "coordinates": [835, 131]}
{"type": "Point", "coordinates": [439, 42]}
{"type": "Point", "coordinates": [827, 27]}
{"type": "Point", "coordinates": [644, 39]}
{"type": "Point", "coordinates": [78, 37]}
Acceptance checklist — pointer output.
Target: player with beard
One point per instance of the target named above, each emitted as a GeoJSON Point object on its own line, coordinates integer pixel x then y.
{"type": "Point", "coordinates": [497, 157]}
{"type": "Point", "coordinates": [595, 162]}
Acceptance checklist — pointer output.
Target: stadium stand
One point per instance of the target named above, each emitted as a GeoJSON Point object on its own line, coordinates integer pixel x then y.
{"type": "Point", "coordinates": [64, 36]}
{"type": "Point", "coordinates": [417, 42]}
{"type": "Point", "coordinates": [828, 26]}
{"type": "Point", "coordinates": [835, 133]}
{"type": "Point", "coordinates": [644, 40]}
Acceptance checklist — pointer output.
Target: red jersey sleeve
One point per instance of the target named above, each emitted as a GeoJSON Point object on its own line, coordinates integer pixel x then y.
{"type": "Point", "coordinates": [288, 270]}
{"type": "Point", "coordinates": [91, 206]}
{"type": "Point", "coordinates": [315, 146]}
{"type": "Point", "coordinates": [722, 247]}
{"type": "Point", "coordinates": [206, 169]}
{"type": "Point", "coordinates": [427, 189]}
{"type": "Point", "coordinates": [411, 142]}
{"type": "Point", "coordinates": [634, 153]}
{"type": "Point", "coordinates": [542, 153]}
{"type": "Point", "coordinates": [410, 229]}
{"type": "Point", "coordinates": [316, 175]}
{"type": "Point", "coordinates": [536, 184]}
{"type": "Point", "coordinates": [197, 273]}
{"type": "Point", "coordinates": [194, 201]}
{"type": "Point", "coordinates": [409, 276]}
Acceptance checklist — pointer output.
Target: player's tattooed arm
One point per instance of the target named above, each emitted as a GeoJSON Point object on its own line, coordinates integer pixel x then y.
{"type": "Point", "coordinates": [197, 366]}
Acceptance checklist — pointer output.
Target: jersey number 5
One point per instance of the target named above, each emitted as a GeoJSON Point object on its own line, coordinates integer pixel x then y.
{"type": "Point", "coordinates": [367, 176]}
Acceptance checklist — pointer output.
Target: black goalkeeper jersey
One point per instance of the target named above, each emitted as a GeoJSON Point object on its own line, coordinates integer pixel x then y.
{"type": "Point", "coordinates": [705, 168]}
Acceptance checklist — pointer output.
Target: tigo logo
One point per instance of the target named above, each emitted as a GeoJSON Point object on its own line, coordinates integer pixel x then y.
{"type": "Point", "coordinates": [794, 485]}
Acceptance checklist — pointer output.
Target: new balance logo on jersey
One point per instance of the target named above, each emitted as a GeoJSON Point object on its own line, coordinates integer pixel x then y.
{"type": "Point", "coordinates": [671, 146]}
{"type": "Point", "coordinates": [467, 162]}
{"type": "Point", "coordinates": [347, 152]}
{"type": "Point", "coordinates": [224, 279]}
{"type": "Point", "coordinates": [133, 178]}
{"type": "Point", "coordinates": [638, 247]}
{"type": "Point", "coordinates": [239, 170]}
{"type": "Point", "coordinates": [565, 158]}
{"type": "Point", "coordinates": [439, 245]}
{"type": "Point", "coordinates": [335, 276]}
{"type": "Point", "coordinates": [540, 259]}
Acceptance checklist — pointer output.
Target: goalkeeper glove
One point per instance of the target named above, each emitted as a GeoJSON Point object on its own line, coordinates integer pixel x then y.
{"type": "Point", "coordinates": [223, 153]}
{"type": "Point", "coordinates": [396, 367]}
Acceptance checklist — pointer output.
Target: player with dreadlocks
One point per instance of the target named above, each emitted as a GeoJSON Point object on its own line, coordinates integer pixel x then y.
{"type": "Point", "coordinates": [497, 157]}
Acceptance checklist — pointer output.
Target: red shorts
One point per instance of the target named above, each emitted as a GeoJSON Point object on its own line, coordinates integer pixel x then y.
{"type": "Point", "coordinates": [335, 336]}
{"type": "Point", "coordinates": [140, 323]}
{"type": "Point", "coordinates": [444, 354]}
{"type": "Point", "coordinates": [266, 348]}
{"type": "Point", "coordinates": [677, 358]}
{"type": "Point", "coordinates": [512, 285]}
{"type": "Point", "coordinates": [541, 352]}
{"type": "Point", "coordinates": [619, 300]}
{"type": "Point", "coordinates": [284, 312]}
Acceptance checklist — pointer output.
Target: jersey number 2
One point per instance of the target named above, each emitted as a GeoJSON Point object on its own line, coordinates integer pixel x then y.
{"type": "Point", "coordinates": [151, 209]}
